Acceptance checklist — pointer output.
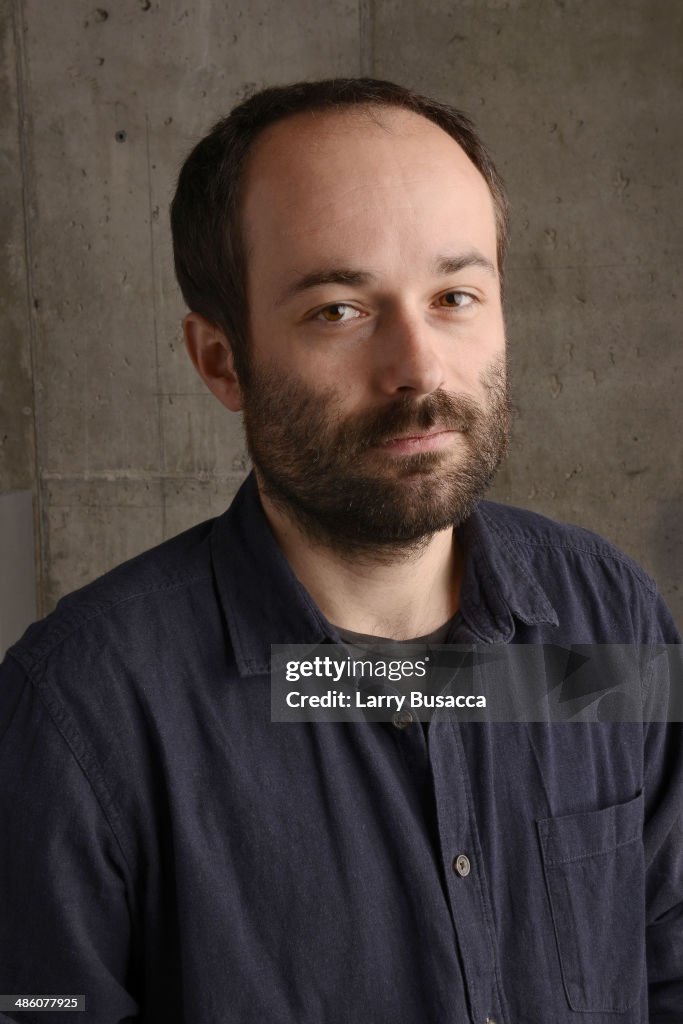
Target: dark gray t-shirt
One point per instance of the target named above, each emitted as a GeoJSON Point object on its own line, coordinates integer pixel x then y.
{"type": "Point", "coordinates": [362, 645]}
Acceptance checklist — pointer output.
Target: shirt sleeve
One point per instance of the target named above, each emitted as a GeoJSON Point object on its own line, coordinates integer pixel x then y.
{"type": "Point", "coordinates": [663, 832]}
{"type": "Point", "coordinates": [65, 925]}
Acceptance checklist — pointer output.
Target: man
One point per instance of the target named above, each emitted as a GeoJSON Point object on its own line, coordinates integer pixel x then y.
{"type": "Point", "coordinates": [175, 855]}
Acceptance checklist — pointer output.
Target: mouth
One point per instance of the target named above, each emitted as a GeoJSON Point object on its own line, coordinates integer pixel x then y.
{"type": "Point", "coordinates": [429, 441]}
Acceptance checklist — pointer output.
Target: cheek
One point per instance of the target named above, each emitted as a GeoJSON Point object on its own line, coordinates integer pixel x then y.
{"type": "Point", "coordinates": [488, 336]}
{"type": "Point", "coordinates": [475, 356]}
{"type": "Point", "coordinates": [343, 371]}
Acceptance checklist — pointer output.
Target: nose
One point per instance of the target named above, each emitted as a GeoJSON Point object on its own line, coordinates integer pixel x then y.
{"type": "Point", "coordinates": [408, 355]}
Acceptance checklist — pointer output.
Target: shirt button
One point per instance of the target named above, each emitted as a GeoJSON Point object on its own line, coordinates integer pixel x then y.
{"type": "Point", "coordinates": [490, 1020]}
{"type": "Point", "coordinates": [461, 865]}
{"type": "Point", "coordinates": [402, 719]}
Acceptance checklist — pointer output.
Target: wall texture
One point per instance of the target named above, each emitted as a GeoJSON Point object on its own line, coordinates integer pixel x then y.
{"type": "Point", "coordinates": [100, 410]}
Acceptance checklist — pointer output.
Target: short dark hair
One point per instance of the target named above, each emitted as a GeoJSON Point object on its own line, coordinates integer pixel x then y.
{"type": "Point", "coordinates": [208, 245]}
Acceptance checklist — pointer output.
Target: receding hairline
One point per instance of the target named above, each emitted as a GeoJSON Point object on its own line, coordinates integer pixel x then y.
{"type": "Point", "coordinates": [367, 114]}
{"type": "Point", "coordinates": [374, 113]}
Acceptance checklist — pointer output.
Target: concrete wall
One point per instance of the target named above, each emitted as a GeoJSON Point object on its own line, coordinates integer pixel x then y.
{"type": "Point", "coordinates": [17, 583]}
{"type": "Point", "coordinates": [100, 411]}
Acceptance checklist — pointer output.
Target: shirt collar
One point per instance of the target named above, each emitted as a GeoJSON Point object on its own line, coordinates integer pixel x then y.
{"type": "Point", "coordinates": [497, 585]}
{"type": "Point", "coordinates": [264, 603]}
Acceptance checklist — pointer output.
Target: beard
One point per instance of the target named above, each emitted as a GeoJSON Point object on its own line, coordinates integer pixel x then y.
{"type": "Point", "coordinates": [330, 474]}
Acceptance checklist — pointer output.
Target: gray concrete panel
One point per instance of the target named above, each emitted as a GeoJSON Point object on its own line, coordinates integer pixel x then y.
{"type": "Point", "coordinates": [208, 439]}
{"type": "Point", "coordinates": [17, 461]}
{"type": "Point", "coordinates": [17, 587]}
{"type": "Point", "coordinates": [191, 500]}
{"type": "Point", "coordinates": [95, 524]}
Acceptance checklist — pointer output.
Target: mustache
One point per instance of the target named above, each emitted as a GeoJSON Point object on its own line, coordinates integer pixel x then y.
{"type": "Point", "coordinates": [441, 409]}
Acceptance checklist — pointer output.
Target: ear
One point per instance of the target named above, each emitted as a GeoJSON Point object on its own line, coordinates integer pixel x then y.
{"type": "Point", "coordinates": [211, 353]}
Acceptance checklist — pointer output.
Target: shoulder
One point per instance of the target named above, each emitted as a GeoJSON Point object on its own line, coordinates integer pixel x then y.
{"type": "Point", "coordinates": [130, 595]}
{"type": "Point", "coordinates": [104, 684]}
{"type": "Point", "coordinates": [598, 591]}
{"type": "Point", "coordinates": [534, 532]}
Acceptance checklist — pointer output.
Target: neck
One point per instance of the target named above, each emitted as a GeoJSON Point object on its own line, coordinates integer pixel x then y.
{"type": "Point", "coordinates": [402, 598]}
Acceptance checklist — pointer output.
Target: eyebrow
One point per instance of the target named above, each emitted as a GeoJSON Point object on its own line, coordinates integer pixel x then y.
{"type": "Point", "coordinates": [473, 258]}
{"type": "Point", "coordinates": [444, 265]}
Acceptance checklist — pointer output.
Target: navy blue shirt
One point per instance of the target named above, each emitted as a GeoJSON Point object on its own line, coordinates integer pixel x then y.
{"type": "Point", "coordinates": [171, 853]}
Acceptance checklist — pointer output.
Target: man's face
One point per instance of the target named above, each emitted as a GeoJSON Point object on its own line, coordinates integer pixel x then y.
{"type": "Point", "coordinates": [375, 407]}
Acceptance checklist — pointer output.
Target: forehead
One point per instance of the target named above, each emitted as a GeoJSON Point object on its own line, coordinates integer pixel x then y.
{"type": "Point", "coordinates": [361, 178]}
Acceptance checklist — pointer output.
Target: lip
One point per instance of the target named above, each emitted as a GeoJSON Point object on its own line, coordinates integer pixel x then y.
{"type": "Point", "coordinates": [431, 441]}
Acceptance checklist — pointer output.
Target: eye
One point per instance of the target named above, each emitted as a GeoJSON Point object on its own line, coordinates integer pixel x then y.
{"type": "Point", "coordinates": [457, 300]}
{"type": "Point", "coordinates": [337, 313]}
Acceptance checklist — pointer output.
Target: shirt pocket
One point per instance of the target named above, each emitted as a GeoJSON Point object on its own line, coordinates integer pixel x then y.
{"type": "Point", "coordinates": [595, 876]}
